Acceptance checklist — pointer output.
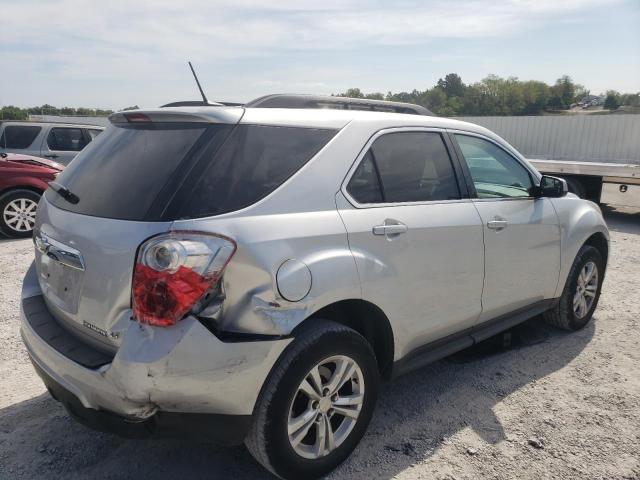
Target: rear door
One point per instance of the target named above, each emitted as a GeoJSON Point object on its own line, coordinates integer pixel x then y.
{"type": "Point", "coordinates": [416, 239]}
{"type": "Point", "coordinates": [62, 144]}
{"type": "Point", "coordinates": [521, 233]}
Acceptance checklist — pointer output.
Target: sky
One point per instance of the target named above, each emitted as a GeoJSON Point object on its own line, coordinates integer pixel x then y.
{"type": "Point", "coordinates": [113, 54]}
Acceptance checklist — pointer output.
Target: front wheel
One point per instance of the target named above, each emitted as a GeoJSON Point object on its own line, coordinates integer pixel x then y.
{"type": "Point", "coordinates": [581, 292]}
{"type": "Point", "coordinates": [317, 402]}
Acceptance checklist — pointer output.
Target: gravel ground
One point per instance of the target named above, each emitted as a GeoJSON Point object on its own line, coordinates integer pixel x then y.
{"type": "Point", "coordinates": [554, 405]}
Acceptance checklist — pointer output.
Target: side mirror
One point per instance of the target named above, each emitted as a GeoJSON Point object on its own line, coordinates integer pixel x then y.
{"type": "Point", "coordinates": [550, 187]}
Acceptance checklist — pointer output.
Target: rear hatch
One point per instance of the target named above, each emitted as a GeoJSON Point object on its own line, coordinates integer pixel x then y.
{"type": "Point", "coordinates": [114, 195]}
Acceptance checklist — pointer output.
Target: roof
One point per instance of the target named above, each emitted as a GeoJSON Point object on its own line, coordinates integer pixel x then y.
{"type": "Point", "coordinates": [59, 124]}
{"type": "Point", "coordinates": [309, 118]}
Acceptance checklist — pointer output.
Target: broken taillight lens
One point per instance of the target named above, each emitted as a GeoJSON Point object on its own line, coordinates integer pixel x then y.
{"type": "Point", "coordinates": [173, 272]}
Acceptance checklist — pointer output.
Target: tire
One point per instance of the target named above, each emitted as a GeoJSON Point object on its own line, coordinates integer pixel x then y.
{"type": "Point", "coordinates": [564, 314]}
{"type": "Point", "coordinates": [576, 187]}
{"type": "Point", "coordinates": [268, 439]}
{"type": "Point", "coordinates": [14, 226]}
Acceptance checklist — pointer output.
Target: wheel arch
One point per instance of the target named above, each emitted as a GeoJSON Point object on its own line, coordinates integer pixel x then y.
{"type": "Point", "coordinates": [369, 321]}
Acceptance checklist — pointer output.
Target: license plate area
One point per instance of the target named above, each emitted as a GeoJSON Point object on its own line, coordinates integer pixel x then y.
{"type": "Point", "coordinates": [60, 283]}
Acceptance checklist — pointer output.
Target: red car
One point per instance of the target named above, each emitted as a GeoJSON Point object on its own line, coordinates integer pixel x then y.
{"type": "Point", "coordinates": [23, 179]}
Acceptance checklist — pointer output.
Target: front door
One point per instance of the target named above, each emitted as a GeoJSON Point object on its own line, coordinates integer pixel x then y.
{"type": "Point", "coordinates": [416, 242]}
{"type": "Point", "coordinates": [521, 233]}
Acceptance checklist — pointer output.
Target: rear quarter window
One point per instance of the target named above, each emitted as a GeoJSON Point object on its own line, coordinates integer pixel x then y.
{"type": "Point", "coordinates": [253, 162]}
{"type": "Point", "coordinates": [17, 136]}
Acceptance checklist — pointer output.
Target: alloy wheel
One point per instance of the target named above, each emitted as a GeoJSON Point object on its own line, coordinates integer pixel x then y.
{"type": "Point", "coordinates": [586, 290]}
{"type": "Point", "coordinates": [20, 214]}
{"type": "Point", "coordinates": [326, 407]}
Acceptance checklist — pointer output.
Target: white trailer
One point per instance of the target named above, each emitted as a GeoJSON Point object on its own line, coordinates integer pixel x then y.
{"type": "Point", "coordinates": [598, 156]}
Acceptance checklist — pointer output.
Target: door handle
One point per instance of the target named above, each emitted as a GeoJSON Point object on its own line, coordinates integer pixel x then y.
{"type": "Point", "coordinates": [497, 224]}
{"type": "Point", "coordinates": [390, 229]}
{"type": "Point", "coordinates": [51, 155]}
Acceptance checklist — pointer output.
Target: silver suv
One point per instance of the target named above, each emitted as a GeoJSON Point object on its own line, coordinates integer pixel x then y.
{"type": "Point", "coordinates": [56, 141]}
{"type": "Point", "coordinates": [256, 272]}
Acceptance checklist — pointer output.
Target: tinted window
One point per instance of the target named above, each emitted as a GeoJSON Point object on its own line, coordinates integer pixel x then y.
{"type": "Point", "coordinates": [495, 173]}
{"type": "Point", "coordinates": [18, 136]}
{"type": "Point", "coordinates": [414, 167]}
{"type": "Point", "coordinates": [66, 139]}
{"type": "Point", "coordinates": [253, 162]}
{"type": "Point", "coordinates": [93, 133]}
{"type": "Point", "coordinates": [120, 173]}
{"type": "Point", "coordinates": [364, 186]}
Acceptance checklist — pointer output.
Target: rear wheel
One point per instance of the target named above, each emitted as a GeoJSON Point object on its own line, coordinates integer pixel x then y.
{"type": "Point", "coordinates": [317, 402]}
{"type": "Point", "coordinates": [581, 291]}
{"type": "Point", "coordinates": [18, 213]}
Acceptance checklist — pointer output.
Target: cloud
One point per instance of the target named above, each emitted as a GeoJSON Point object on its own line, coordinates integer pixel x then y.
{"type": "Point", "coordinates": [75, 41]}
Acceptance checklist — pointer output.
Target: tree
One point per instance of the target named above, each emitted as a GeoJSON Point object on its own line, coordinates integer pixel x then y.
{"type": "Point", "coordinates": [562, 93]}
{"type": "Point", "coordinates": [452, 85]}
{"type": "Point", "coordinates": [612, 102]}
{"type": "Point", "coordinates": [13, 113]}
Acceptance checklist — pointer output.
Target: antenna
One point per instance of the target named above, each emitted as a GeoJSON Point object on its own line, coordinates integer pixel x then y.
{"type": "Point", "coordinates": [204, 97]}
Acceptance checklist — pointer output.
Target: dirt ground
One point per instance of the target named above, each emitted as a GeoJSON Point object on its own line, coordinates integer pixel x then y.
{"type": "Point", "coordinates": [554, 405]}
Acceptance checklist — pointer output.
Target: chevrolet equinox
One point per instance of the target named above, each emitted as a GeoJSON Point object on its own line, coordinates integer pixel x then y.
{"type": "Point", "coordinates": [249, 274]}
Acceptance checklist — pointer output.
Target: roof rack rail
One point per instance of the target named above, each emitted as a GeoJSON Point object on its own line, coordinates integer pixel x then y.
{"type": "Point", "coordinates": [340, 103]}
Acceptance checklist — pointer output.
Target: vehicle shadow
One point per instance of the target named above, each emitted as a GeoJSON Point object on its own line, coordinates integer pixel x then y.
{"type": "Point", "coordinates": [622, 219]}
{"type": "Point", "coordinates": [415, 416]}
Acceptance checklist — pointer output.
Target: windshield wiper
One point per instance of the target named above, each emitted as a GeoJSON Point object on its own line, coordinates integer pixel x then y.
{"type": "Point", "coordinates": [64, 192]}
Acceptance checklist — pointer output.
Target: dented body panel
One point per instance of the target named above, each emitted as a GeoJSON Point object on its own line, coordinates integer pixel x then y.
{"type": "Point", "coordinates": [179, 369]}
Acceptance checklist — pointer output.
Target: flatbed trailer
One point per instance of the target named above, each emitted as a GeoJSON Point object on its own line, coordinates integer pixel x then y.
{"type": "Point", "coordinates": [601, 182]}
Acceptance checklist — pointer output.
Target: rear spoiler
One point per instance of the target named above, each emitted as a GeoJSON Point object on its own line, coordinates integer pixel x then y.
{"type": "Point", "coordinates": [229, 115]}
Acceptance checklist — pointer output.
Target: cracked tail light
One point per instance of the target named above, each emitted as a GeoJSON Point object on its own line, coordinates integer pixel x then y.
{"type": "Point", "coordinates": [174, 272]}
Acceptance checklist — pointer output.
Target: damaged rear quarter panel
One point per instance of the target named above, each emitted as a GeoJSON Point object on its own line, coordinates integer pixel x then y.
{"type": "Point", "coordinates": [253, 303]}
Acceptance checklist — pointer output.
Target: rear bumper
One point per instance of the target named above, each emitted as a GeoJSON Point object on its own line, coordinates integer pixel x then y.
{"type": "Point", "coordinates": [221, 429]}
{"type": "Point", "coordinates": [156, 372]}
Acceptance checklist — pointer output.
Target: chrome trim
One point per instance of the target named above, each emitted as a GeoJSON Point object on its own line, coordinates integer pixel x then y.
{"type": "Point", "coordinates": [59, 252]}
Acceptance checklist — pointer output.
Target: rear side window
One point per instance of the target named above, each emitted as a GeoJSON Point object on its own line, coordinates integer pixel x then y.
{"type": "Point", "coordinates": [19, 136]}
{"type": "Point", "coordinates": [254, 161]}
{"type": "Point", "coordinates": [120, 174]}
{"type": "Point", "coordinates": [93, 133]}
{"type": "Point", "coordinates": [411, 166]}
{"type": "Point", "coordinates": [66, 139]}
{"type": "Point", "coordinates": [364, 186]}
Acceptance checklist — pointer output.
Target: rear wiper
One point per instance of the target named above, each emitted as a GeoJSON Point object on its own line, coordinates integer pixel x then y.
{"type": "Point", "coordinates": [64, 192]}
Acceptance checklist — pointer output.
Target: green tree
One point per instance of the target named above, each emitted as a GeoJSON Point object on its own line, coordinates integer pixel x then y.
{"type": "Point", "coordinates": [562, 93]}
{"type": "Point", "coordinates": [612, 102]}
{"type": "Point", "coordinates": [13, 113]}
{"type": "Point", "coordinates": [452, 85]}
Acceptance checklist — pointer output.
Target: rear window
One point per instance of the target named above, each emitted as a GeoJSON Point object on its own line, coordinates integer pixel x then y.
{"type": "Point", "coordinates": [19, 136]}
{"type": "Point", "coordinates": [254, 161]}
{"type": "Point", "coordinates": [120, 174]}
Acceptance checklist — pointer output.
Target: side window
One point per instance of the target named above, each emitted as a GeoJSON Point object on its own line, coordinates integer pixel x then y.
{"type": "Point", "coordinates": [93, 133]}
{"type": "Point", "coordinates": [364, 185]}
{"type": "Point", "coordinates": [495, 173]}
{"type": "Point", "coordinates": [414, 167]}
{"type": "Point", "coordinates": [19, 136]}
{"type": "Point", "coordinates": [66, 139]}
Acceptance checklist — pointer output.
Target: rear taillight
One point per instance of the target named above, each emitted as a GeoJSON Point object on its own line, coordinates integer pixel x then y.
{"type": "Point", "coordinates": [173, 272]}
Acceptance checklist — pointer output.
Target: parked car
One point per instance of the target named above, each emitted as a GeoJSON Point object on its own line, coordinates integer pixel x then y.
{"type": "Point", "coordinates": [56, 141]}
{"type": "Point", "coordinates": [257, 271]}
{"type": "Point", "coordinates": [23, 179]}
